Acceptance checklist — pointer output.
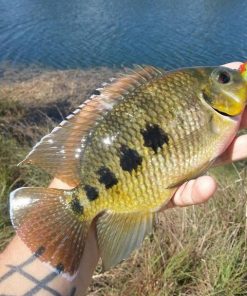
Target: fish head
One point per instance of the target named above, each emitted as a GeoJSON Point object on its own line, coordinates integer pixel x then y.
{"type": "Point", "coordinates": [225, 90]}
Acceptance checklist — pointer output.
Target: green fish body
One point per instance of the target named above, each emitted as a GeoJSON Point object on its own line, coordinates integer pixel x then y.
{"type": "Point", "coordinates": [125, 151]}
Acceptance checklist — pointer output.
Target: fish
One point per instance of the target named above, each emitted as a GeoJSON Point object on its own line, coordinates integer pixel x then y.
{"type": "Point", "coordinates": [125, 151]}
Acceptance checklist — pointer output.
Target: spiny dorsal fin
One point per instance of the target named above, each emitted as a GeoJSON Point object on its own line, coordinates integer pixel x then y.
{"type": "Point", "coordinates": [59, 152]}
{"type": "Point", "coordinates": [131, 80]}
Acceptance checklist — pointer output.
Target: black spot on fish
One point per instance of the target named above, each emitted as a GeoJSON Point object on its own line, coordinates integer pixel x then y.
{"type": "Point", "coordinates": [91, 192]}
{"type": "Point", "coordinates": [39, 251]}
{"type": "Point", "coordinates": [59, 268]}
{"type": "Point", "coordinates": [107, 177]}
{"type": "Point", "coordinates": [96, 92]}
{"type": "Point", "coordinates": [76, 207]}
{"type": "Point", "coordinates": [154, 136]}
{"type": "Point", "coordinates": [129, 158]}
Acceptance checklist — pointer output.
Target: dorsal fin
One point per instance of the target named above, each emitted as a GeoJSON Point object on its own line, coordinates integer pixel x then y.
{"type": "Point", "coordinates": [59, 152]}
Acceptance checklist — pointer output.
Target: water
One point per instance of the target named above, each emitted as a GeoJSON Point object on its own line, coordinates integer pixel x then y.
{"type": "Point", "coordinates": [81, 34]}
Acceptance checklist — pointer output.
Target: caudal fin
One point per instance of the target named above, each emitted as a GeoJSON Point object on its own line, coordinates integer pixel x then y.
{"type": "Point", "coordinates": [49, 225]}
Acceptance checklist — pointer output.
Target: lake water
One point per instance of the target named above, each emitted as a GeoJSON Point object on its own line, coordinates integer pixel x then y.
{"type": "Point", "coordinates": [81, 34]}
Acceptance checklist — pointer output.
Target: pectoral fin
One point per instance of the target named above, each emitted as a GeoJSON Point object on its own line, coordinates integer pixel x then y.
{"type": "Point", "coordinates": [121, 233]}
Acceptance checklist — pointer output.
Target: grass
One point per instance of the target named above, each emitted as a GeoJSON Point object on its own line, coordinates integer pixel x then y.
{"type": "Point", "coordinates": [196, 251]}
{"type": "Point", "coordinates": [32, 102]}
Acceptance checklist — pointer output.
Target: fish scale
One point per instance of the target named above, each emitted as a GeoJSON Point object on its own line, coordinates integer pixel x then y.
{"type": "Point", "coordinates": [126, 150]}
{"type": "Point", "coordinates": [114, 123]}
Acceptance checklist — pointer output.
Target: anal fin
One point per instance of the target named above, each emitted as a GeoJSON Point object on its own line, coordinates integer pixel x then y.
{"type": "Point", "coordinates": [121, 233]}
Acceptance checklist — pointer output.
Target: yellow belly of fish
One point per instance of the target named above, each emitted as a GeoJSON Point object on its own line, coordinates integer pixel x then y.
{"type": "Point", "coordinates": [121, 202]}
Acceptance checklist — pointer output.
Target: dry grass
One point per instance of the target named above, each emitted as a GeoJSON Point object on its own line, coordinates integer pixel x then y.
{"type": "Point", "coordinates": [196, 251]}
{"type": "Point", "coordinates": [33, 98]}
{"type": "Point", "coordinates": [32, 102]}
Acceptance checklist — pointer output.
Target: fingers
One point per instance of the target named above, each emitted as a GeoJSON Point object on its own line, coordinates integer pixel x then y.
{"type": "Point", "coordinates": [193, 192]}
{"type": "Point", "coordinates": [236, 151]}
{"type": "Point", "coordinates": [57, 183]}
{"type": "Point", "coordinates": [233, 65]}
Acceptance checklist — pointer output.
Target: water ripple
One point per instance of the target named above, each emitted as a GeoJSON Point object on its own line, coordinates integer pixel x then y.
{"type": "Point", "coordinates": [170, 33]}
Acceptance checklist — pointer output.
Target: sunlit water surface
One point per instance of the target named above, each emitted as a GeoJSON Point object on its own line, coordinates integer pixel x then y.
{"type": "Point", "coordinates": [79, 34]}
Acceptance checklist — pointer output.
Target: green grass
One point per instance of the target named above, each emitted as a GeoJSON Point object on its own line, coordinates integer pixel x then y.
{"type": "Point", "coordinates": [198, 251]}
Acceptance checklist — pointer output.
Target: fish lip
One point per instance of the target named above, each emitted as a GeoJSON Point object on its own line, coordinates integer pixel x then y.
{"type": "Point", "coordinates": [225, 115]}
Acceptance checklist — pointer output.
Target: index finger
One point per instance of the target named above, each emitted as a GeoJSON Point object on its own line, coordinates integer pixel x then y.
{"type": "Point", "coordinates": [233, 65]}
{"type": "Point", "coordinates": [236, 151]}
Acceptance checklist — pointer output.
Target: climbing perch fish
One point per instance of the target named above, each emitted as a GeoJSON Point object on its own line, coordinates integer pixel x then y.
{"type": "Point", "coordinates": [125, 151]}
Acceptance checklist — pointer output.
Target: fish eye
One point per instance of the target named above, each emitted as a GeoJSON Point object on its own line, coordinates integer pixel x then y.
{"type": "Point", "coordinates": [223, 77]}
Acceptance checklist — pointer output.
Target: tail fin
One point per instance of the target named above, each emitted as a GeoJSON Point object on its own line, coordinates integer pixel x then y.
{"type": "Point", "coordinates": [50, 226]}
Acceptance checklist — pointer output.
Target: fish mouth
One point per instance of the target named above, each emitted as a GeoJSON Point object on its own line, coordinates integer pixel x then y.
{"type": "Point", "coordinates": [234, 118]}
{"type": "Point", "coordinates": [209, 101]}
{"type": "Point", "coordinates": [224, 114]}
